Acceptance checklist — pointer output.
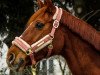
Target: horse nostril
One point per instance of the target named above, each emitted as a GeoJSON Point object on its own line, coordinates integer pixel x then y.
{"type": "Point", "coordinates": [19, 64]}
{"type": "Point", "coordinates": [21, 61]}
{"type": "Point", "coordinates": [11, 57]}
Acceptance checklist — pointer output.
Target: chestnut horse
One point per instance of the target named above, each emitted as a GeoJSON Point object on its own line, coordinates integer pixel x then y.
{"type": "Point", "coordinates": [74, 39]}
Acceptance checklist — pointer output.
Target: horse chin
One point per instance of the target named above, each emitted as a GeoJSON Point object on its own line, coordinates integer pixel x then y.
{"type": "Point", "coordinates": [20, 69]}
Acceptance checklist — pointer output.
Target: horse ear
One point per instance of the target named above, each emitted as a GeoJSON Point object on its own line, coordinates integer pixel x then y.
{"type": "Point", "coordinates": [42, 3]}
{"type": "Point", "coordinates": [50, 6]}
{"type": "Point", "coordinates": [48, 3]}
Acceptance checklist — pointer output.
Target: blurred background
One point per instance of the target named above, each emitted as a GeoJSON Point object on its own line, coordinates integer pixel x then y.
{"type": "Point", "coordinates": [14, 15]}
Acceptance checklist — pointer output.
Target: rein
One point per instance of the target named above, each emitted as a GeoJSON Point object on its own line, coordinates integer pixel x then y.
{"type": "Point", "coordinates": [45, 41]}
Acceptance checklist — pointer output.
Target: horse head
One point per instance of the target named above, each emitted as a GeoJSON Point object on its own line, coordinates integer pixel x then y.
{"type": "Point", "coordinates": [42, 37]}
{"type": "Point", "coordinates": [53, 31]}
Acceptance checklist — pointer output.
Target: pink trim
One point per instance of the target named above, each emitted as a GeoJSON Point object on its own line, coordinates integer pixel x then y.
{"type": "Point", "coordinates": [41, 42]}
{"type": "Point", "coordinates": [56, 13]}
{"type": "Point", "coordinates": [56, 22]}
{"type": "Point", "coordinates": [32, 58]}
{"type": "Point", "coordinates": [21, 44]}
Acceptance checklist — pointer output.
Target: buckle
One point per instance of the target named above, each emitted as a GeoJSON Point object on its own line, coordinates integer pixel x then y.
{"type": "Point", "coordinates": [29, 51]}
{"type": "Point", "coordinates": [50, 46]}
{"type": "Point", "coordinates": [56, 24]}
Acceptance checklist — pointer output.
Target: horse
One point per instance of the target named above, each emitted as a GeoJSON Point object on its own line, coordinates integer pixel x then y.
{"type": "Point", "coordinates": [54, 31]}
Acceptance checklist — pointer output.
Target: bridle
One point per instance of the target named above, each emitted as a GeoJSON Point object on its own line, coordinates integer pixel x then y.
{"type": "Point", "coordinates": [45, 41]}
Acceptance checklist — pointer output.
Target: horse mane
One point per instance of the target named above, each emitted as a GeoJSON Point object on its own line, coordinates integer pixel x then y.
{"type": "Point", "coordinates": [84, 30]}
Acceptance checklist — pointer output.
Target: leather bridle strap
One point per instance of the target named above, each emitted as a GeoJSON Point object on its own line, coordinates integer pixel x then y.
{"type": "Point", "coordinates": [45, 41]}
{"type": "Point", "coordinates": [56, 18]}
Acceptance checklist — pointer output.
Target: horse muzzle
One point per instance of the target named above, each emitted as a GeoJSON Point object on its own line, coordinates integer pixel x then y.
{"type": "Point", "coordinates": [14, 66]}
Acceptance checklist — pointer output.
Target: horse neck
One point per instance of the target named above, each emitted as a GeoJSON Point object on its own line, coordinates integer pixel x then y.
{"type": "Point", "coordinates": [84, 30]}
{"type": "Point", "coordinates": [79, 54]}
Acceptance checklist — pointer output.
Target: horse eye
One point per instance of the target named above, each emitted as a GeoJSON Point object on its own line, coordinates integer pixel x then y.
{"type": "Point", "coordinates": [39, 25]}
